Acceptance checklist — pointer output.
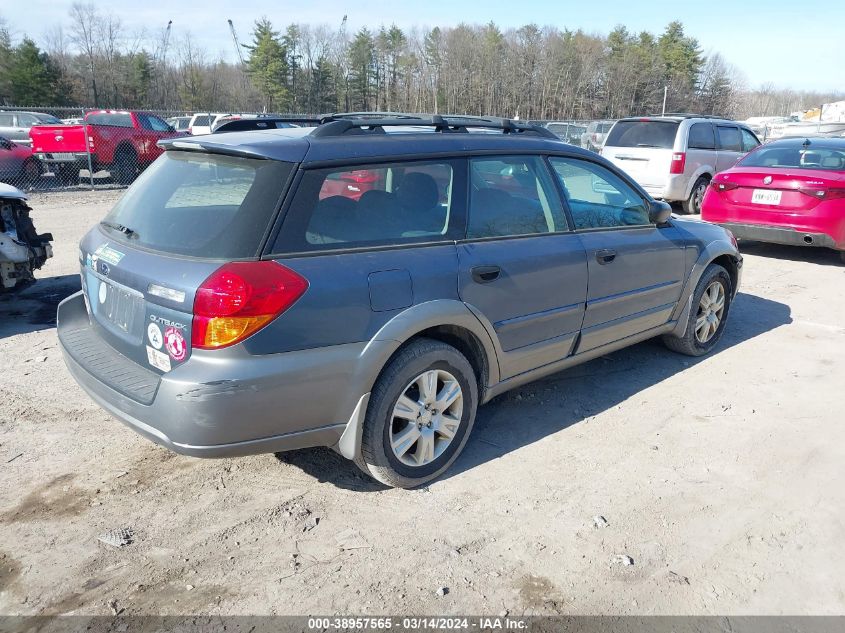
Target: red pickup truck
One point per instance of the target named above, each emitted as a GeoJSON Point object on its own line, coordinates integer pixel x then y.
{"type": "Point", "coordinates": [123, 143]}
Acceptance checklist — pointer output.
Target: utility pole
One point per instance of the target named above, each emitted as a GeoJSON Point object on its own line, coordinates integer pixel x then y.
{"type": "Point", "coordinates": [665, 93]}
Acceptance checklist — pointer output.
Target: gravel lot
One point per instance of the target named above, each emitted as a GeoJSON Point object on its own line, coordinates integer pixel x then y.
{"type": "Point", "coordinates": [721, 478]}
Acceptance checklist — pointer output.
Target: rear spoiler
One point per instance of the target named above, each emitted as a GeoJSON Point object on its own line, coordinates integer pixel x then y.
{"type": "Point", "coordinates": [265, 123]}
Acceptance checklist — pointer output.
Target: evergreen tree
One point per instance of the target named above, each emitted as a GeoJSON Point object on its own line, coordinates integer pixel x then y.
{"type": "Point", "coordinates": [268, 65]}
{"type": "Point", "coordinates": [33, 77]}
{"type": "Point", "coordinates": [682, 61]}
{"type": "Point", "coordinates": [139, 79]}
{"type": "Point", "coordinates": [5, 62]}
{"type": "Point", "coordinates": [362, 56]}
{"type": "Point", "coordinates": [324, 93]}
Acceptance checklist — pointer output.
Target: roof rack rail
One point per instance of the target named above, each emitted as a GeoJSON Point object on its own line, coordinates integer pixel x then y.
{"type": "Point", "coordinates": [374, 114]}
{"type": "Point", "coordinates": [691, 115]}
{"type": "Point", "coordinates": [265, 123]}
{"type": "Point", "coordinates": [374, 123]}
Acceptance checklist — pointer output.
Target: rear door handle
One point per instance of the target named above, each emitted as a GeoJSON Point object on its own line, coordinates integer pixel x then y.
{"type": "Point", "coordinates": [605, 255]}
{"type": "Point", "coordinates": [485, 274]}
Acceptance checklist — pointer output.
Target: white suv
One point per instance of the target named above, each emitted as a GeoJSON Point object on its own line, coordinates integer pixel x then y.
{"type": "Point", "coordinates": [674, 157]}
{"type": "Point", "coordinates": [203, 122]}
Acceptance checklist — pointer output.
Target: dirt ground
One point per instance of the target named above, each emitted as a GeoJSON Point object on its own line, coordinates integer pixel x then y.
{"type": "Point", "coordinates": [721, 478]}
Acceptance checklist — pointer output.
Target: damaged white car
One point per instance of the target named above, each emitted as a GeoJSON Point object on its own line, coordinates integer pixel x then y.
{"type": "Point", "coordinates": [22, 249]}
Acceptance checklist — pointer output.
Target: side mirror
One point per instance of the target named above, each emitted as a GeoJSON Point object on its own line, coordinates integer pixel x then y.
{"type": "Point", "coordinates": [659, 212]}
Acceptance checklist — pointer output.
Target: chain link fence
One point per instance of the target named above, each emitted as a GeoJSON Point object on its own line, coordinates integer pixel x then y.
{"type": "Point", "coordinates": [51, 148]}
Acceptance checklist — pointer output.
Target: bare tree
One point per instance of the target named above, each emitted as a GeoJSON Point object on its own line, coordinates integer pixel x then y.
{"type": "Point", "coordinates": [83, 34]}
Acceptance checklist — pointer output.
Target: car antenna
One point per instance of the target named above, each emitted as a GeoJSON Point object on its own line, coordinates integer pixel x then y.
{"type": "Point", "coordinates": [806, 143]}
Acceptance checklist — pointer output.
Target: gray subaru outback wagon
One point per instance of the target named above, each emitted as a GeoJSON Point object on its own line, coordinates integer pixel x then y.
{"type": "Point", "coordinates": [367, 283]}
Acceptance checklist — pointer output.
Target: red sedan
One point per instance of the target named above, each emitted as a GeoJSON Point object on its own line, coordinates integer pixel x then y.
{"type": "Point", "coordinates": [17, 164]}
{"type": "Point", "coordinates": [790, 191]}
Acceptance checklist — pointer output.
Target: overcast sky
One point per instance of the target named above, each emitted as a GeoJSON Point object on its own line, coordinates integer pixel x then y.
{"type": "Point", "coordinates": [788, 43]}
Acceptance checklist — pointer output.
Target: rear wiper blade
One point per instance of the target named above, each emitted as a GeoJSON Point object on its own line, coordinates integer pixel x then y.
{"type": "Point", "coordinates": [646, 145]}
{"type": "Point", "coordinates": [119, 227]}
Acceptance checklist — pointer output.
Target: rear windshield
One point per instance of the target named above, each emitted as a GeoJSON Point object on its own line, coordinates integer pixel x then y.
{"type": "Point", "coordinates": [832, 158]}
{"type": "Point", "coordinates": [49, 119]}
{"type": "Point", "coordinates": [659, 134]}
{"type": "Point", "coordinates": [200, 205]}
{"type": "Point", "coordinates": [202, 120]}
{"type": "Point", "coordinates": [123, 119]}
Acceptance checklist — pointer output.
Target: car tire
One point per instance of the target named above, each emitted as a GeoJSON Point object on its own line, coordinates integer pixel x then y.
{"type": "Point", "coordinates": [67, 175]}
{"type": "Point", "coordinates": [125, 168]}
{"type": "Point", "coordinates": [716, 284]}
{"type": "Point", "coordinates": [30, 172]}
{"type": "Point", "coordinates": [842, 256]}
{"type": "Point", "coordinates": [692, 205]}
{"type": "Point", "coordinates": [425, 440]}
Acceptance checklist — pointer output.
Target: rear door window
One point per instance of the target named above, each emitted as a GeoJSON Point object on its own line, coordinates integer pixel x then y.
{"type": "Point", "coordinates": [729, 138]}
{"type": "Point", "coordinates": [375, 205]}
{"type": "Point", "coordinates": [646, 133]}
{"type": "Point", "coordinates": [512, 195]}
{"type": "Point", "coordinates": [701, 136]}
{"type": "Point", "coordinates": [200, 205]}
{"type": "Point", "coordinates": [27, 120]}
{"type": "Point", "coordinates": [7, 120]}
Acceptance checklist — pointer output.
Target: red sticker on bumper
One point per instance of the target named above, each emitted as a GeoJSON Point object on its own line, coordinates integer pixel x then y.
{"type": "Point", "coordinates": [174, 343]}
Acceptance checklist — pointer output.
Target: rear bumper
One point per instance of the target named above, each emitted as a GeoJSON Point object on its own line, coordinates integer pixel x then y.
{"type": "Point", "coordinates": [673, 190]}
{"type": "Point", "coordinates": [218, 406]}
{"type": "Point", "coordinates": [71, 158]}
{"type": "Point", "coordinates": [780, 235]}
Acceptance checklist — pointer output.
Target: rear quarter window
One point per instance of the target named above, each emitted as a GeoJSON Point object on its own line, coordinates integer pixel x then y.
{"type": "Point", "coordinates": [655, 134]}
{"type": "Point", "coordinates": [201, 205]}
{"type": "Point", "coordinates": [375, 205]}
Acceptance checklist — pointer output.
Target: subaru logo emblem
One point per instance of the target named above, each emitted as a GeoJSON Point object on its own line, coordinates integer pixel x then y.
{"type": "Point", "coordinates": [60, 138]}
{"type": "Point", "coordinates": [767, 180]}
{"type": "Point", "coordinates": [104, 268]}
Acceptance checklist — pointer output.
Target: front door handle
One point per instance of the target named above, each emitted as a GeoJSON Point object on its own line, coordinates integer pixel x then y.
{"type": "Point", "coordinates": [605, 255]}
{"type": "Point", "coordinates": [485, 274]}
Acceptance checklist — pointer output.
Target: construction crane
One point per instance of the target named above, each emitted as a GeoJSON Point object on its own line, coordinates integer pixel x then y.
{"type": "Point", "coordinates": [162, 62]}
{"type": "Point", "coordinates": [237, 43]}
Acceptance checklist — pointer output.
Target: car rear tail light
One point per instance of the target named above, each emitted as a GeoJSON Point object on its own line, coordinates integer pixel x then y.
{"type": "Point", "coordinates": [724, 186]}
{"type": "Point", "coordinates": [679, 162]}
{"type": "Point", "coordinates": [823, 194]}
{"type": "Point", "coordinates": [239, 299]}
{"type": "Point", "coordinates": [359, 176]}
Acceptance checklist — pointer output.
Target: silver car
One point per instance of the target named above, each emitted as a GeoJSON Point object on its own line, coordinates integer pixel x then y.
{"type": "Point", "coordinates": [14, 125]}
{"type": "Point", "coordinates": [674, 158]}
{"type": "Point", "coordinates": [593, 136]}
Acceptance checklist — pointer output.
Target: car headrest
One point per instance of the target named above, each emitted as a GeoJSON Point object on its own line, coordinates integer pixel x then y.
{"type": "Point", "coordinates": [418, 191]}
{"type": "Point", "coordinates": [833, 162]}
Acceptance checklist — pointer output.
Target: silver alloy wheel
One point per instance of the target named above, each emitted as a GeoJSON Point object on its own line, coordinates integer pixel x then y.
{"type": "Point", "coordinates": [711, 309]}
{"type": "Point", "coordinates": [698, 197]}
{"type": "Point", "coordinates": [426, 417]}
